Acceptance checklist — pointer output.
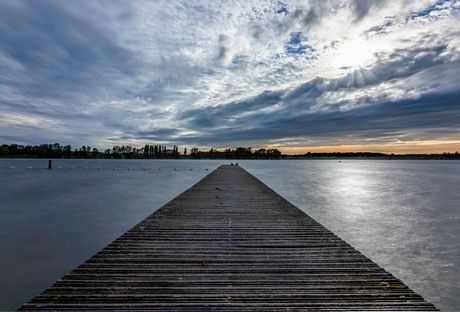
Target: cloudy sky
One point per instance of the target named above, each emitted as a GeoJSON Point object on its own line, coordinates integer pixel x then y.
{"type": "Point", "coordinates": [317, 75]}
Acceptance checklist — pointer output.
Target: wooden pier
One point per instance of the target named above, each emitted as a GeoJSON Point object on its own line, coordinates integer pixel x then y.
{"type": "Point", "coordinates": [229, 243]}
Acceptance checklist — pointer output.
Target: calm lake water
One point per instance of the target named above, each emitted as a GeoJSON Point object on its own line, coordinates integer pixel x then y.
{"type": "Point", "coordinates": [404, 215]}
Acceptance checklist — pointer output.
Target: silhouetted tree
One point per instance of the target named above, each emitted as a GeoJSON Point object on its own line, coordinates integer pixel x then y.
{"type": "Point", "coordinates": [194, 153]}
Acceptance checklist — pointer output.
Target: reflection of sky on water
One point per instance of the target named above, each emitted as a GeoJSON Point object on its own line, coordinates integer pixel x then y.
{"type": "Point", "coordinates": [402, 214]}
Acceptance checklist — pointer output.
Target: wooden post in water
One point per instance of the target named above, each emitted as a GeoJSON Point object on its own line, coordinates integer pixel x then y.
{"type": "Point", "coordinates": [229, 243]}
{"type": "Point", "coordinates": [49, 164]}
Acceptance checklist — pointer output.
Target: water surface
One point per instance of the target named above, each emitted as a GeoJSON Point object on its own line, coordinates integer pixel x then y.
{"type": "Point", "coordinates": [404, 215]}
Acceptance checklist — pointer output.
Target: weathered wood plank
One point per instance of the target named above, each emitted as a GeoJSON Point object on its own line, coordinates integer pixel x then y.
{"type": "Point", "coordinates": [229, 243]}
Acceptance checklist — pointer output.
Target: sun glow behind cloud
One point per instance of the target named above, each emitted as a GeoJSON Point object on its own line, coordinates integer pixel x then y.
{"type": "Point", "coordinates": [355, 53]}
{"type": "Point", "coordinates": [317, 73]}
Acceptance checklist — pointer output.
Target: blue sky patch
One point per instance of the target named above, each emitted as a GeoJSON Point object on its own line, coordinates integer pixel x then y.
{"type": "Point", "coordinates": [296, 44]}
{"type": "Point", "coordinates": [282, 8]}
{"type": "Point", "coordinates": [433, 8]}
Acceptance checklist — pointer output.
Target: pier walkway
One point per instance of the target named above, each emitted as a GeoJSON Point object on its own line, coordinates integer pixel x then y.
{"type": "Point", "coordinates": [229, 243]}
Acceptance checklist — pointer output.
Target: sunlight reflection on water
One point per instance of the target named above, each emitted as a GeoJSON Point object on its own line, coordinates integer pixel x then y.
{"type": "Point", "coordinates": [404, 215]}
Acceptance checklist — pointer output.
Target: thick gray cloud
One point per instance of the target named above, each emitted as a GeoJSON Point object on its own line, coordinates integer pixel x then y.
{"type": "Point", "coordinates": [60, 48]}
{"type": "Point", "coordinates": [361, 8]}
{"type": "Point", "coordinates": [211, 117]}
{"type": "Point", "coordinates": [429, 117]}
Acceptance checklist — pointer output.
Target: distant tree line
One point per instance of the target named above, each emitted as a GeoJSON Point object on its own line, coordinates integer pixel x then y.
{"type": "Point", "coordinates": [65, 151]}
{"type": "Point", "coordinates": [238, 153]}
{"type": "Point", "coordinates": [153, 151]}
{"type": "Point", "coordinates": [148, 151]}
{"type": "Point", "coordinates": [370, 155]}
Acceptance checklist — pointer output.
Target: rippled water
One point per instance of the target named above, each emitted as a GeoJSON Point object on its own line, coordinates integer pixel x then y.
{"type": "Point", "coordinates": [404, 215]}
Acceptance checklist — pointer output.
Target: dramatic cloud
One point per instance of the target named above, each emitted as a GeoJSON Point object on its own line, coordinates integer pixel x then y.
{"type": "Point", "coordinates": [221, 74]}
